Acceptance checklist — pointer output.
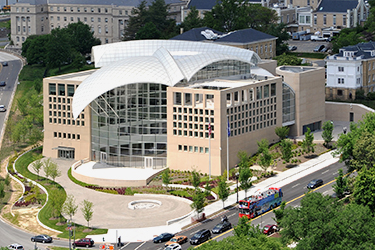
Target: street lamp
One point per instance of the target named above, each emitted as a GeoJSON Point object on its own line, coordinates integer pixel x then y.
{"type": "Point", "coordinates": [237, 176]}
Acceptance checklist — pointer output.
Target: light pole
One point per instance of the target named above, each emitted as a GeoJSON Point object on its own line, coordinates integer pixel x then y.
{"type": "Point", "coordinates": [237, 176]}
{"type": "Point", "coordinates": [70, 230]}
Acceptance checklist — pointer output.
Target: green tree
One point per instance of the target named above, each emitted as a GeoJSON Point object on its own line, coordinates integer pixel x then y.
{"type": "Point", "coordinates": [59, 51]}
{"type": "Point", "coordinates": [279, 30]}
{"type": "Point", "coordinates": [37, 165]}
{"type": "Point", "coordinates": [355, 147]}
{"type": "Point", "coordinates": [195, 179]}
{"type": "Point", "coordinates": [69, 207]}
{"type": "Point", "coordinates": [51, 169]}
{"type": "Point", "coordinates": [321, 223]}
{"type": "Point", "coordinates": [260, 18]}
{"type": "Point", "coordinates": [341, 184]}
{"type": "Point", "coordinates": [243, 227]}
{"type": "Point", "coordinates": [87, 211]}
{"type": "Point", "coordinates": [282, 132]}
{"type": "Point", "coordinates": [364, 188]}
{"type": "Point", "coordinates": [192, 20]}
{"type": "Point", "coordinates": [223, 190]}
{"type": "Point", "coordinates": [279, 213]}
{"type": "Point", "coordinates": [286, 149]}
{"type": "Point", "coordinates": [207, 189]}
{"type": "Point", "coordinates": [136, 21]}
{"type": "Point", "coordinates": [55, 201]}
{"type": "Point", "coordinates": [264, 158]}
{"type": "Point", "coordinates": [7, 180]}
{"type": "Point", "coordinates": [244, 178]}
{"type": "Point", "coordinates": [307, 143]}
{"type": "Point", "coordinates": [166, 178]}
{"type": "Point", "coordinates": [35, 49]}
{"type": "Point", "coordinates": [327, 132]}
{"type": "Point", "coordinates": [198, 201]}
{"type": "Point", "coordinates": [148, 31]}
{"type": "Point", "coordinates": [288, 59]}
{"type": "Point", "coordinates": [347, 37]}
{"type": "Point", "coordinates": [158, 15]}
{"type": "Point", "coordinates": [81, 38]}
{"type": "Point", "coordinates": [2, 190]}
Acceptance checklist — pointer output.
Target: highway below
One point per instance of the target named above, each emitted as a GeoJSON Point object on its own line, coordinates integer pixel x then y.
{"type": "Point", "coordinates": [293, 194]}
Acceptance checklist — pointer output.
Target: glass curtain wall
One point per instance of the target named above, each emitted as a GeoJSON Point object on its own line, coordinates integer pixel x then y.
{"type": "Point", "coordinates": [129, 124]}
{"type": "Point", "coordinates": [289, 108]}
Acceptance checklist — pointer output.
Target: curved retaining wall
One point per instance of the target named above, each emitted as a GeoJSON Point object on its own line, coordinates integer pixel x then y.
{"type": "Point", "coordinates": [40, 186]}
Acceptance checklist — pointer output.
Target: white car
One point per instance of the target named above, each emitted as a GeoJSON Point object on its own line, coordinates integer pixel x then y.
{"type": "Point", "coordinates": [2, 108]}
{"type": "Point", "coordinates": [174, 246]}
{"type": "Point", "coordinates": [15, 246]}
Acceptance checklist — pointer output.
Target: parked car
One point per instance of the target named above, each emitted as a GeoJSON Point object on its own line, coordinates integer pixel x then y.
{"type": "Point", "coordinates": [85, 242]}
{"type": "Point", "coordinates": [2, 108]}
{"type": "Point", "coordinates": [42, 238]}
{"type": "Point", "coordinates": [292, 48]}
{"type": "Point", "coordinates": [173, 246]}
{"type": "Point", "coordinates": [2, 84]}
{"type": "Point", "coordinates": [319, 48]}
{"type": "Point", "coordinates": [180, 239]}
{"type": "Point", "coordinates": [222, 227]}
{"type": "Point", "coordinates": [163, 237]}
{"type": "Point", "coordinates": [200, 236]}
{"type": "Point", "coordinates": [15, 246]}
{"type": "Point", "coordinates": [5, 63]}
{"type": "Point", "coordinates": [315, 183]}
{"type": "Point", "coordinates": [270, 229]}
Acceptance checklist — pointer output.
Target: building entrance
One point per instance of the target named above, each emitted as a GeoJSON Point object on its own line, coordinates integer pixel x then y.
{"type": "Point", "coordinates": [65, 152]}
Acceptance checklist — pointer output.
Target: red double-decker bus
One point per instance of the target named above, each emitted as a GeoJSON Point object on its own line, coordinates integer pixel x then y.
{"type": "Point", "coordinates": [260, 202]}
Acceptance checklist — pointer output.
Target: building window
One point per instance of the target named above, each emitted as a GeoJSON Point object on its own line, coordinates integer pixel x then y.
{"type": "Point", "coordinates": [71, 19]}
{"type": "Point", "coordinates": [106, 20]}
{"type": "Point", "coordinates": [71, 9]}
{"type": "Point", "coordinates": [99, 19]}
{"type": "Point", "coordinates": [334, 19]}
{"type": "Point", "coordinates": [99, 29]}
{"type": "Point", "coordinates": [339, 92]}
{"type": "Point", "coordinates": [325, 19]}
{"type": "Point", "coordinates": [315, 19]}
{"type": "Point", "coordinates": [341, 69]}
{"type": "Point", "coordinates": [64, 8]}
{"type": "Point", "coordinates": [344, 20]}
{"type": "Point", "coordinates": [52, 88]}
{"type": "Point", "coordinates": [62, 89]}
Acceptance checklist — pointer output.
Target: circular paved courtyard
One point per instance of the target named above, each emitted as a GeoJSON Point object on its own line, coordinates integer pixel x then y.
{"type": "Point", "coordinates": [111, 211]}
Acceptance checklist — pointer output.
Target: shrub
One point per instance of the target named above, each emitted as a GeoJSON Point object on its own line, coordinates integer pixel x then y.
{"type": "Point", "coordinates": [299, 143]}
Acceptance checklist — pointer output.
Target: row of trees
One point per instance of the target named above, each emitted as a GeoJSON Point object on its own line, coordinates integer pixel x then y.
{"type": "Point", "coordinates": [62, 46]}
{"type": "Point", "coordinates": [225, 16]}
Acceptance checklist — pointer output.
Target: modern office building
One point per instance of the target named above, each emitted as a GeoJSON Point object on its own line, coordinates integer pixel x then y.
{"type": "Point", "coordinates": [107, 19]}
{"type": "Point", "coordinates": [159, 103]}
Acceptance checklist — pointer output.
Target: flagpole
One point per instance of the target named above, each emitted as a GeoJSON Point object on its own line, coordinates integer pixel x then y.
{"type": "Point", "coordinates": [209, 146]}
{"type": "Point", "coordinates": [228, 148]}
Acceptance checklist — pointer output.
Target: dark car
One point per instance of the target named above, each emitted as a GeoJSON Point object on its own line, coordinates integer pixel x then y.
{"type": "Point", "coordinates": [163, 237]}
{"type": "Point", "coordinates": [200, 236]}
{"type": "Point", "coordinates": [2, 84]}
{"type": "Point", "coordinates": [319, 48]}
{"type": "Point", "coordinates": [5, 63]}
{"type": "Point", "coordinates": [85, 242]}
{"type": "Point", "coordinates": [221, 227]}
{"type": "Point", "coordinates": [42, 238]}
{"type": "Point", "coordinates": [315, 183]}
{"type": "Point", "coordinates": [292, 48]}
{"type": "Point", "coordinates": [270, 229]}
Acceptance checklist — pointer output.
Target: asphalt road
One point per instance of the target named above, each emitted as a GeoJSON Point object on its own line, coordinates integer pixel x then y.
{"type": "Point", "coordinates": [293, 193]}
{"type": "Point", "coordinates": [306, 46]}
{"type": "Point", "coordinates": [8, 74]}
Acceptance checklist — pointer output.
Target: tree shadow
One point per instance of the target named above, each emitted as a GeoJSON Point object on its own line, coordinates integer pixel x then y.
{"type": "Point", "coordinates": [312, 156]}
{"type": "Point", "coordinates": [291, 165]}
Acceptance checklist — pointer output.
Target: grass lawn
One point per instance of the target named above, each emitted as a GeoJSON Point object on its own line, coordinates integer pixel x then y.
{"type": "Point", "coordinates": [45, 215]}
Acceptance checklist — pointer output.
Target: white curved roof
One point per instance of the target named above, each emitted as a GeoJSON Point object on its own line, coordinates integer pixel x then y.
{"type": "Point", "coordinates": [152, 61]}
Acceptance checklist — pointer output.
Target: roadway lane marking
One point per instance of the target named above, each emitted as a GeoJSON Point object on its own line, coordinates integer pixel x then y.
{"type": "Point", "coordinates": [325, 171]}
{"type": "Point", "coordinates": [335, 173]}
{"type": "Point", "coordinates": [325, 192]}
{"type": "Point", "coordinates": [296, 185]}
{"type": "Point", "coordinates": [125, 245]}
{"type": "Point", "coordinates": [140, 245]}
{"type": "Point", "coordinates": [195, 231]}
{"type": "Point", "coordinates": [231, 215]}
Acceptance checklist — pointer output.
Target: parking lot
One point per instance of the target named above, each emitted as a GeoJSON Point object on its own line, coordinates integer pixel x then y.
{"type": "Point", "coordinates": [305, 46]}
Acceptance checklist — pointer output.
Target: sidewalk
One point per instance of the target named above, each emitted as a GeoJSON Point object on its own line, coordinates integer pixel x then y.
{"type": "Point", "coordinates": [281, 179]}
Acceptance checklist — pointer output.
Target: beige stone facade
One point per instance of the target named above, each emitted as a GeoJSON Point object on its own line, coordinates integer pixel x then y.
{"type": "Point", "coordinates": [265, 49]}
{"type": "Point", "coordinates": [65, 137]}
{"type": "Point", "coordinates": [351, 112]}
{"type": "Point", "coordinates": [308, 84]}
{"type": "Point", "coordinates": [106, 21]}
{"type": "Point", "coordinates": [254, 110]}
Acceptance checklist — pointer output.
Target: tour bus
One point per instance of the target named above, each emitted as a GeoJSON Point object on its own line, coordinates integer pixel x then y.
{"type": "Point", "coordinates": [260, 202]}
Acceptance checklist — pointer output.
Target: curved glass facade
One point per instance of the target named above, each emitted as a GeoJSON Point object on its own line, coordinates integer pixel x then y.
{"type": "Point", "coordinates": [129, 123]}
{"type": "Point", "coordinates": [289, 100]}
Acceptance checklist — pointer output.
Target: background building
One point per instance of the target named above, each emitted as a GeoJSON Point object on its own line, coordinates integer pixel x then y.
{"type": "Point", "coordinates": [107, 19]}
{"type": "Point", "coordinates": [158, 103]}
{"type": "Point", "coordinates": [351, 69]}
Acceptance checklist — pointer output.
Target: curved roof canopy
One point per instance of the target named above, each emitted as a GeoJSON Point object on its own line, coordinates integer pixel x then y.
{"type": "Point", "coordinates": [153, 61]}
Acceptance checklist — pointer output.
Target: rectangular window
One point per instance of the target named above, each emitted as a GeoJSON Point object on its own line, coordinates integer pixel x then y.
{"type": "Point", "coordinates": [273, 89]}
{"type": "Point", "coordinates": [344, 20]}
{"type": "Point", "coordinates": [259, 92]}
{"type": "Point", "coordinates": [341, 69]}
{"type": "Point", "coordinates": [70, 90]}
{"type": "Point", "coordinates": [52, 88]}
{"type": "Point", "coordinates": [61, 89]}
{"type": "Point", "coordinates": [266, 91]}
{"type": "Point", "coordinates": [334, 20]}
{"type": "Point", "coordinates": [315, 19]}
{"type": "Point", "coordinates": [177, 98]}
{"type": "Point", "coordinates": [325, 19]}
